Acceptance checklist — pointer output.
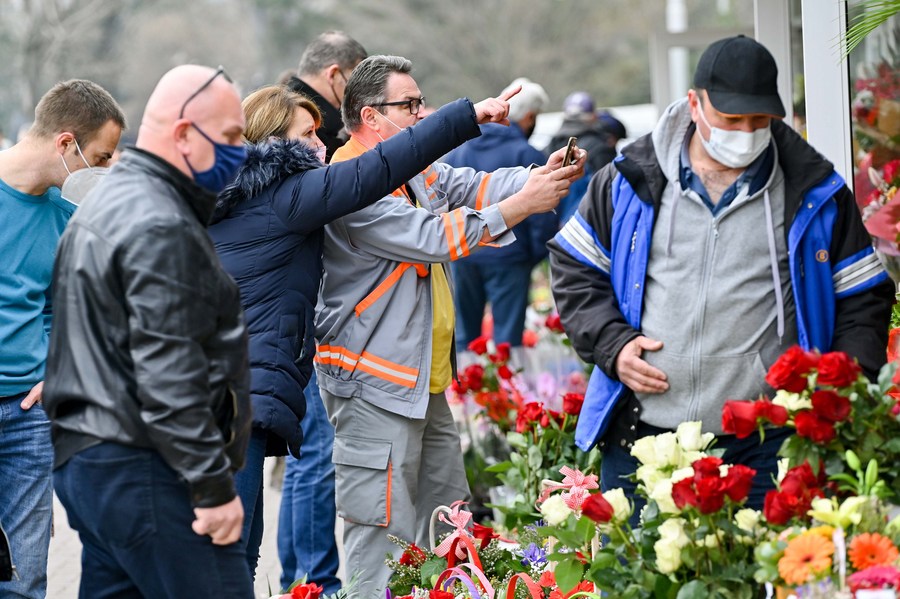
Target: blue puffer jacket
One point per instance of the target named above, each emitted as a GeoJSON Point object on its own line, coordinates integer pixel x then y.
{"type": "Point", "coordinates": [267, 229]}
{"type": "Point", "coordinates": [502, 147]}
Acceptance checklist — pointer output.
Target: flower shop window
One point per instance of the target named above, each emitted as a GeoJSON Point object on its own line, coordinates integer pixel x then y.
{"type": "Point", "coordinates": [875, 126]}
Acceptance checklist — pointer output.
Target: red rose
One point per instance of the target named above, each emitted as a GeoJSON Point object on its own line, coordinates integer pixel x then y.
{"type": "Point", "coordinates": [739, 418]}
{"type": "Point", "coordinates": [549, 415]}
{"type": "Point", "coordinates": [484, 534]}
{"type": "Point", "coordinates": [502, 354]}
{"type": "Point", "coordinates": [474, 376]}
{"type": "Point", "coordinates": [529, 338]}
{"type": "Point", "coordinates": [683, 493]}
{"type": "Point", "coordinates": [504, 372]}
{"type": "Point", "coordinates": [710, 495]}
{"type": "Point", "coordinates": [790, 369]}
{"type": "Point", "coordinates": [479, 345]}
{"type": "Point", "coordinates": [837, 369]}
{"type": "Point", "coordinates": [436, 594]}
{"type": "Point", "coordinates": [309, 590]}
{"type": "Point", "coordinates": [777, 509]}
{"type": "Point", "coordinates": [893, 348]}
{"type": "Point", "coordinates": [597, 508]}
{"type": "Point", "coordinates": [528, 415]}
{"type": "Point", "coordinates": [572, 403]}
{"type": "Point", "coordinates": [554, 323]}
{"type": "Point", "coordinates": [891, 170]}
{"type": "Point", "coordinates": [830, 406]}
{"type": "Point", "coordinates": [766, 410]}
{"type": "Point", "coordinates": [459, 385]}
{"type": "Point", "coordinates": [811, 426]}
{"type": "Point", "coordinates": [413, 556]}
{"type": "Point", "coordinates": [738, 482]}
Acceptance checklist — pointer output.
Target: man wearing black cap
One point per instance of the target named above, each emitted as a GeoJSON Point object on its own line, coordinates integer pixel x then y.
{"type": "Point", "coordinates": [717, 242]}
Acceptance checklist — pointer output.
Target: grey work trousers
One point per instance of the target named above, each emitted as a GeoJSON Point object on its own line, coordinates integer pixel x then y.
{"type": "Point", "coordinates": [391, 473]}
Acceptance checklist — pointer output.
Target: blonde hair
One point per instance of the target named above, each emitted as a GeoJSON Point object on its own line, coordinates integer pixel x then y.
{"type": "Point", "coordinates": [269, 112]}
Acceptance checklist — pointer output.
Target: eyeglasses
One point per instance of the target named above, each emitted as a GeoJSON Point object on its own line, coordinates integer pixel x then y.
{"type": "Point", "coordinates": [413, 104]}
{"type": "Point", "coordinates": [219, 71]}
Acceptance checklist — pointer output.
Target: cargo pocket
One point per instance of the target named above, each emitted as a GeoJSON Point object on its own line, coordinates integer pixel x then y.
{"type": "Point", "coordinates": [362, 480]}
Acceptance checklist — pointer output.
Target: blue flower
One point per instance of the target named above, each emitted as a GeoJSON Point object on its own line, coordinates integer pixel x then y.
{"type": "Point", "coordinates": [534, 554]}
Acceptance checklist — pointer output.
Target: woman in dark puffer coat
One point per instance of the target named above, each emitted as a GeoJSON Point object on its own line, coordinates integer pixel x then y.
{"type": "Point", "coordinates": [267, 229]}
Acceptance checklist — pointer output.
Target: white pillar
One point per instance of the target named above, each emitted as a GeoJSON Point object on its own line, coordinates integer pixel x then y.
{"type": "Point", "coordinates": [679, 59]}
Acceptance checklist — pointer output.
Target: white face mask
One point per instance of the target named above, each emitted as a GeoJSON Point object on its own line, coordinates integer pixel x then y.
{"type": "Point", "coordinates": [320, 153]}
{"type": "Point", "coordinates": [66, 166]}
{"type": "Point", "coordinates": [78, 184]}
{"type": "Point", "coordinates": [735, 149]}
{"type": "Point", "coordinates": [399, 128]}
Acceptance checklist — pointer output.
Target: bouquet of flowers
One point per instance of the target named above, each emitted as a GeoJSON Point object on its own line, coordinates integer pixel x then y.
{"type": "Point", "coordinates": [695, 537]}
{"type": "Point", "coordinates": [833, 408]}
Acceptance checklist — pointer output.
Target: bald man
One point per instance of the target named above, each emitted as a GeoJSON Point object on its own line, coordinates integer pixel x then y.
{"type": "Point", "coordinates": [147, 380]}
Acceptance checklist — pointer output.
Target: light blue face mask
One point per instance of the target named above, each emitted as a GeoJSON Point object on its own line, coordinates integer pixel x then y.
{"type": "Point", "coordinates": [227, 162]}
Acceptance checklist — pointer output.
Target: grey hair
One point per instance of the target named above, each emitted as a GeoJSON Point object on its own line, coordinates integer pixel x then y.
{"type": "Point", "coordinates": [331, 47]}
{"type": "Point", "coordinates": [532, 98]}
{"type": "Point", "coordinates": [368, 85]}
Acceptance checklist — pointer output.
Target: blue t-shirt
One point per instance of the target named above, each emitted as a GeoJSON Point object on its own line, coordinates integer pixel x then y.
{"type": "Point", "coordinates": [30, 230]}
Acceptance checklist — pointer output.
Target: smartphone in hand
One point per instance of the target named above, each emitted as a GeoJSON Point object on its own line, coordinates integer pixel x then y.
{"type": "Point", "coordinates": [570, 157]}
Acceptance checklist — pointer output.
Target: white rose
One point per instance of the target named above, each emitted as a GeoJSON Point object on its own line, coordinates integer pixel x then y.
{"type": "Point", "coordinates": [783, 467]}
{"type": "Point", "coordinates": [621, 506]}
{"type": "Point", "coordinates": [682, 473]}
{"type": "Point", "coordinates": [644, 450]}
{"type": "Point", "coordinates": [672, 530]}
{"type": "Point", "coordinates": [555, 510]}
{"type": "Point", "coordinates": [649, 475]}
{"type": "Point", "coordinates": [662, 495]}
{"type": "Point", "coordinates": [667, 450]}
{"type": "Point", "coordinates": [691, 438]}
{"type": "Point", "coordinates": [689, 457]}
{"type": "Point", "coordinates": [791, 401]}
{"type": "Point", "coordinates": [747, 520]}
{"type": "Point", "coordinates": [668, 556]}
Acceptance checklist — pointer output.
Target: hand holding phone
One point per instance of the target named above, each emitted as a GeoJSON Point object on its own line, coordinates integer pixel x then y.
{"type": "Point", "coordinates": [570, 157]}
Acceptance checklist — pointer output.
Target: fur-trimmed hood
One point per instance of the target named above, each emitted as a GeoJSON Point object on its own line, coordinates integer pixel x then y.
{"type": "Point", "coordinates": [267, 163]}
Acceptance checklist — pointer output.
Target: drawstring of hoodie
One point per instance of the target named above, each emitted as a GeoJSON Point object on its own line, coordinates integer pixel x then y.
{"type": "Point", "coordinates": [773, 255]}
{"type": "Point", "coordinates": [672, 224]}
{"type": "Point", "coordinates": [773, 259]}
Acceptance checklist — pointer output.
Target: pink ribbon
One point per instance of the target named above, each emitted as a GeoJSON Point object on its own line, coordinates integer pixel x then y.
{"type": "Point", "coordinates": [576, 485]}
{"type": "Point", "coordinates": [460, 519]}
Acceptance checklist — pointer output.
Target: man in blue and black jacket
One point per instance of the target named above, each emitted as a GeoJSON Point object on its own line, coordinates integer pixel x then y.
{"type": "Point", "coordinates": [700, 255]}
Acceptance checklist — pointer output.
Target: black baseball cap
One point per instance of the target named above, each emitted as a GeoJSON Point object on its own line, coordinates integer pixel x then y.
{"type": "Point", "coordinates": [740, 76]}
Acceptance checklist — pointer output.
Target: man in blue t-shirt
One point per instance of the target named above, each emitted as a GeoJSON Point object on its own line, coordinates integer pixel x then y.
{"type": "Point", "coordinates": [77, 124]}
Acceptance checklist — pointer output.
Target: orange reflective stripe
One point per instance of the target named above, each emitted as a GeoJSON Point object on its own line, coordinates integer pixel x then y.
{"type": "Point", "coordinates": [385, 376]}
{"type": "Point", "coordinates": [461, 227]}
{"type": "Point", "coordinates": [421, 270]}
{"type": "Point", "coordinates": [448, 230]}
{"type": "Point", "coordinates": [368, 363]}
{"type": "Point", "coordinates": [430, 176]}
{"type": "Point", "coordinates": [388, 364]}
{"type": "Point", "coordinates": [480, 198]}
{"type": "Point", "coordinates": [382, 288]}
{"type": "Point", "coordinates": [398, 193]}
{"type": "Point", "coordinates": [387, 515]}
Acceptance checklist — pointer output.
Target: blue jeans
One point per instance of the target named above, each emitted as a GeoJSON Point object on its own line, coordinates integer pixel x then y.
{"type": "Point", "coordinates": [618, 463]}
{"type": "Point", "coordinates": [505, 286]}
{"type": "Point", "coordinates": [133, 515]}
{"type": "Point", "coordinates": [306, 542]}
{"type": "Point", "coordinates": [26, 494]}
{"type": "Point", "coordinates": [249, 484]}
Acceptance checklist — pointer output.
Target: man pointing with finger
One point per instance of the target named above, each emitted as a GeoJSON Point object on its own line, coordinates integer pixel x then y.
{"type": "Point", "coordinates": [385, 319]}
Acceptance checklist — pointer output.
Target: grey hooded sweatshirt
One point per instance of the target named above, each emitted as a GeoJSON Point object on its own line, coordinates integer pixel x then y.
{"type": "Point", "coordinates": [711, 294]}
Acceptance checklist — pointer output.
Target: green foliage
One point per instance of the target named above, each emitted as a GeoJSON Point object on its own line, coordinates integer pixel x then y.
{"type": "Point", "coordinates": [874, 13]}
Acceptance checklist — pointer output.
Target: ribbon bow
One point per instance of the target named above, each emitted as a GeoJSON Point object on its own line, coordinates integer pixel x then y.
{"type": "Point", "coordinates": [576, 485]}
{"type": "Point", "coordinates": [460, 519]}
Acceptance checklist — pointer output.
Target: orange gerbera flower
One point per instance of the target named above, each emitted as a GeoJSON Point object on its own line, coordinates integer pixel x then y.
{"type": "Point", "coordinates": [871, 549]}
{"type": "Point", "coordinates": [806, 555]}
